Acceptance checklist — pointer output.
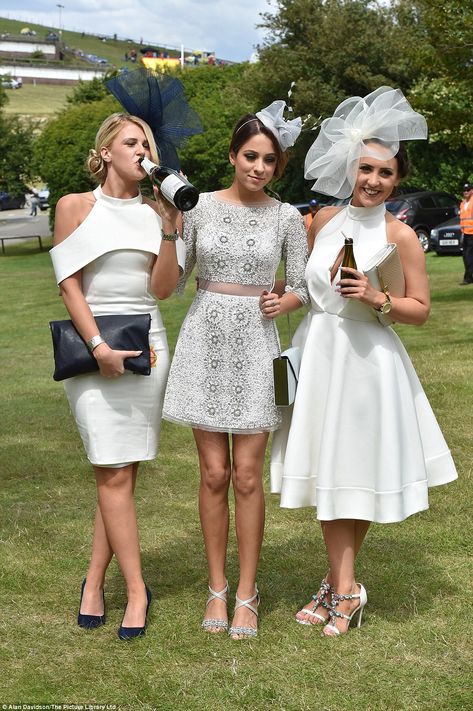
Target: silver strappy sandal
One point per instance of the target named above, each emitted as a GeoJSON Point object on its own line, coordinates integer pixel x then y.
{"type": "Point", "coordinates": [247, 631]}
{"type": "Point", "coordinates": [332, 628]}
{"type": "Point", "coordinates": [325, 590]}
{"type": "Point", "coordinates": [207, 625]}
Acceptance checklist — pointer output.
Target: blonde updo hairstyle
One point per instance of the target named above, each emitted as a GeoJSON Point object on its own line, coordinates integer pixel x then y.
{"type": "Point", "coordinates": [109, 129]}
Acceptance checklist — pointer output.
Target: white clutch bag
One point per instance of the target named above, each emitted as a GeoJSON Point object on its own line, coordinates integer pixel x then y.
{"type": "Point", "coordinates": [384, 272]}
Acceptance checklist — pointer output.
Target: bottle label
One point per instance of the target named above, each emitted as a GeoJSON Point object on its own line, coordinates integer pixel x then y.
{"type": "Point", "coordinates": [170, 186]}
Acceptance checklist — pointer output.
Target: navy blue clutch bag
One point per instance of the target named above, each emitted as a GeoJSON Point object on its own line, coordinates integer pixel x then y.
{"type": "Point", "coordinates": [122, 332]}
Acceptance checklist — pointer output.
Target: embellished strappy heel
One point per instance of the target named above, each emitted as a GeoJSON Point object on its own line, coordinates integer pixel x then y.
{"type": "Point", "coordinates": [325, 589]}
{"type": "Point", "coordinates": [246, 631]}
{"type": "Point", "coordinates": [219, 624]}
{"type": "Point", "coordinates": [334, 613]}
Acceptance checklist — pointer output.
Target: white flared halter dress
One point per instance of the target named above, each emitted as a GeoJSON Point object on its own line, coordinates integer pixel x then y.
{"type": "Point", "coordinates": [363, 442]}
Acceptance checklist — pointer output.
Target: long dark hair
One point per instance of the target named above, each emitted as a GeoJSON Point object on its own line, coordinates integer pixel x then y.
{"type": "Point", "coordinates": [248, 126]}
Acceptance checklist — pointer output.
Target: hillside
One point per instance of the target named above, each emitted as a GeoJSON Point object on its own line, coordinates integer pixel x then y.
{"type": "Point", "coordinates": [113, 50]}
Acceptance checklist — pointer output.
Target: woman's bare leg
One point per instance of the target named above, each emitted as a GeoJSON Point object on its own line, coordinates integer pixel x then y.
{"type": "Point", "coordinates": [247, 475]}
{"type": "Point", "coordinates": [343, 539]}
{"type": "Point", "coordinates": [92, 599]}
{"type": "Point", "coordinates": [117, 508]}
{"type": "Point", "coordinates": [214, 460]}
{"type": "Point", "coordinates": [360, 531]}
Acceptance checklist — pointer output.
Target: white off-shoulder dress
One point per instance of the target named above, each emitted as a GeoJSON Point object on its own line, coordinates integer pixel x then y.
{"type": "Point", "coordinates": [363, 442]}
{"type": "Point", "coordinates": [115, 247]}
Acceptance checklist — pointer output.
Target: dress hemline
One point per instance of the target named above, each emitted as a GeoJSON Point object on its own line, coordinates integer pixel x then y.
{"type": "Point", "coordinates": [209, 428]}
{"type": "Point", "coordinates": [359, 503]}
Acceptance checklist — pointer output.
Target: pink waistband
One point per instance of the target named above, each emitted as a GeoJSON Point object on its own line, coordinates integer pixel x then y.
{"type": "Point", "coordinates": [231, 289]}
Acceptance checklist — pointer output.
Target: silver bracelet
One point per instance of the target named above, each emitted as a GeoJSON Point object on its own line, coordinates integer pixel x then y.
{"type": "Point", "coordinates": [173, 237]}
{"type": "Point", "coordinates": [95, 341]}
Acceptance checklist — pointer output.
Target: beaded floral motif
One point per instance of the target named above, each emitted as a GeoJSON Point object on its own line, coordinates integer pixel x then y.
{"type": "Point", "coordinates": [221, 375]}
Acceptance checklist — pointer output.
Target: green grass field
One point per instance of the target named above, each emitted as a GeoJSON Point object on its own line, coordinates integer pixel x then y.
{"type": "Point", "coordinates": [414, 649]}
{"type": "Point", "coordinates": [37, 100]}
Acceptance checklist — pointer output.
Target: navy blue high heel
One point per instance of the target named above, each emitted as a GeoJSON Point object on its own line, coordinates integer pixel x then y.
{"type": "Point", "coordinates": [90, 622]}
{"type": "Point", "coordinates": [127, 633]}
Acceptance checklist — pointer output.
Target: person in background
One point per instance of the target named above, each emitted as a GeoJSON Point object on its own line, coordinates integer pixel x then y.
{"type": "Point", "coordinates": [466, 225]}
{"type": "Point", "coordinates": [34, 200]}
{"type": "Point", "coordinates": [314, 207]}
{"type": "Point", "coordinates": [221, 378]}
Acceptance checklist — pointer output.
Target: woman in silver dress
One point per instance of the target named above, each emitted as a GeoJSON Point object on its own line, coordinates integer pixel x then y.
{"type": "Point", "coordinates": [220, 382]}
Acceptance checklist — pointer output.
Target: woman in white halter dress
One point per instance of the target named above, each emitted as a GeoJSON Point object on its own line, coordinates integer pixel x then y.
{"type": "Point", "coordinates": [363, 444]}
{"type": "Point", "coordinates": [114, 252]}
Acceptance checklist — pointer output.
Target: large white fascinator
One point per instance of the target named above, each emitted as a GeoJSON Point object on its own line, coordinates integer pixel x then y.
{"type": "Point", "coordinates": [384, 116]}
{"type": "Point", "coordinates": [286, 131]}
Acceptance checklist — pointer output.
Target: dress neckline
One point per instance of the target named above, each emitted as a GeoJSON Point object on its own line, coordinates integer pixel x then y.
{"type": "Point", "coordinates": [118, 202]}
{"type": "Point", "coordinates": [242, 204]}
{"type": "Point", "coordinates": [366, 213]}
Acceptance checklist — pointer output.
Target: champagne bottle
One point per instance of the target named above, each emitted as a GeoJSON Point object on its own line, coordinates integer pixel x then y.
{"type": "Point", "coordinates": [173, 186]}
{"type": "Point", "coordinates": [348, 259]}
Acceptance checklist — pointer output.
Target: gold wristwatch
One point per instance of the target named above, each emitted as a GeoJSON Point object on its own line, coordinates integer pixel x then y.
{"type": "Point", "coordinates": [385, 307]}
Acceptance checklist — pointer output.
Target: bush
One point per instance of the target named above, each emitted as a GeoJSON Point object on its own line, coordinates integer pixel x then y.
{"type": "Point", "coordinates": [62, 148]}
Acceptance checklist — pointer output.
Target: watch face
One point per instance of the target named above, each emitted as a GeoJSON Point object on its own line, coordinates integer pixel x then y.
{"type": "Point", "coordinates": [386, 307]}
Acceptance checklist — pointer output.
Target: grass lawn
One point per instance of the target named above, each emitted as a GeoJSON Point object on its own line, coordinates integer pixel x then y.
{"type": "Point", "coordinates": [37, 100]}
{"type": "Point", "coordinates": [414, 649]}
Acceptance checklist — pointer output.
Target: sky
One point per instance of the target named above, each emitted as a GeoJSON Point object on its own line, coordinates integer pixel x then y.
{"type": "Point", "coordinates": [227, 27]}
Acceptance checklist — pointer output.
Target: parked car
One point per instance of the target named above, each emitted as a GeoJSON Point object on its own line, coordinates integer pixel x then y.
{"type": "Point", "coordinates": [447, 238]}
{"type": "Point", "coordinates": [423, 211]}
{"type": "Point", "coordinates": [52, 37]}
{"type": "Point", "coordinates": [43, 197]}
{"type": "Point", "coordinates": [9, 82]}
{"type": "Point", "coordinates": [10, 202]}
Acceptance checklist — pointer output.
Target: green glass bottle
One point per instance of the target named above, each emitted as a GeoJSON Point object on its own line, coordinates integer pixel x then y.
{"type": "Point", "coordinates": [348, 259]}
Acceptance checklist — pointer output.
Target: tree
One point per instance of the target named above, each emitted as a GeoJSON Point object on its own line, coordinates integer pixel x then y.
{"type": "Point", "coordinates": [439, 42]}
{"type": "Point", "coordinates": [86, 92]}
{"type": "Point", "coordinates": [220, 95]}
{"type": "Point", "coordinates": [16, 148]}
{"type": "Point", "coordinates": [332, 49]}
{"type": "Point", "coordinates": [62, 148]}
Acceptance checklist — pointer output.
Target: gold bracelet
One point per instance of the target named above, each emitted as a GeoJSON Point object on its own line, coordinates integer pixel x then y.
{"type": "Point", "coordinates": [173, 237]}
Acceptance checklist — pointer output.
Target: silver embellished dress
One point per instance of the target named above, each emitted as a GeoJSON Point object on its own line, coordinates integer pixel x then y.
{"type": "Point", "coordinates": [221, 373]}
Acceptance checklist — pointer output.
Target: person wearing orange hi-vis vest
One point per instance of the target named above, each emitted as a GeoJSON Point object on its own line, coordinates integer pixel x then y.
{"type": "Point", "coordinates": [466, 224]}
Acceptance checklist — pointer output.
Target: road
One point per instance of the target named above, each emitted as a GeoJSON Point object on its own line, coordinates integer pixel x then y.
{"type": "Point", "coordinates": [18, 223]}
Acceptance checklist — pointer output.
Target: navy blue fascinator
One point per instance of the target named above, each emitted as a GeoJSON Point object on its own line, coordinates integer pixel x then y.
{"type": "Point", "coordinates": [159, 100]}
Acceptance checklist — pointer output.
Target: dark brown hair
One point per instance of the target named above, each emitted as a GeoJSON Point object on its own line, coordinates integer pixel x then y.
{"type": "Point", "coordinates": [248, 126]}
{"type": "Point", "coordinates": [402, 161]}
{"type": "Point", "coordinates": [401, 156]}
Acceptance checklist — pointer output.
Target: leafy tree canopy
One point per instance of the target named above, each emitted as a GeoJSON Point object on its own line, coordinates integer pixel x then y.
{"type": "Point", "coordinates": [332, 49]}
{"type": "Point", "coordinates": [16, 148]}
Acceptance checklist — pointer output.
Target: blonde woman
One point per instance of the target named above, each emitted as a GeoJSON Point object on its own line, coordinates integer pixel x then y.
{"type": "Point", "coordinates": [114, 252]}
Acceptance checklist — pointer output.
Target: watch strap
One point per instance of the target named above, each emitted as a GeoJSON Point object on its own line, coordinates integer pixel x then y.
{"type": "Point", "coordinates": [173, 237]}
